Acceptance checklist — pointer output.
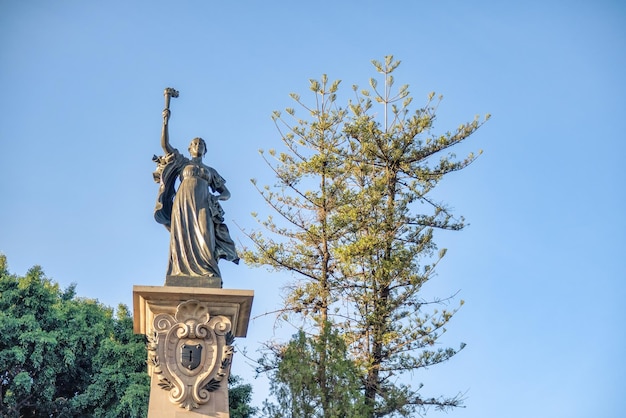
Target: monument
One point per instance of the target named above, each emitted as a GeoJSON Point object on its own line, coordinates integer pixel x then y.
{"type": "Point", "coordinates": [191, 321]}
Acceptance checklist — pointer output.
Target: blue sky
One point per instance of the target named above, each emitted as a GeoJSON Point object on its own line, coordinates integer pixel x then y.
{"type": "Point", "coordinates": [541, 266]}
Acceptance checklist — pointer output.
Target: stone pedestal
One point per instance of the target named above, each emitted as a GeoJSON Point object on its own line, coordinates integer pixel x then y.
{"type": "Point", "coordinates": [190, 334]}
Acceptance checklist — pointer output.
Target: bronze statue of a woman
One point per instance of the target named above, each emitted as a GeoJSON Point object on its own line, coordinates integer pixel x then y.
{"type": "Point", "coordinates": [191, 212]}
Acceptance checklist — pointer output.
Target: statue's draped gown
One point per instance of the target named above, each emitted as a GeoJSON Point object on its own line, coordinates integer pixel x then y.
{"type": "Point", "coordinates": [192, 213]}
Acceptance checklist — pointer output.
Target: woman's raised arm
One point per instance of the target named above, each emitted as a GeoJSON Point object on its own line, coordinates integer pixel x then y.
{"type": "Point", "coordinates": [165, 136]}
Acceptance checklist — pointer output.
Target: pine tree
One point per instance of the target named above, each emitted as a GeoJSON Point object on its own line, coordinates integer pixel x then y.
{"type": "Point", "coordinates": [352, 188]}
{"type": "Point", "coordinates": [308, 194]}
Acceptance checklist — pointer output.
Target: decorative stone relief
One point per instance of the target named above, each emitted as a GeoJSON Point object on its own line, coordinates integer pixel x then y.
{"type": "Point", "coordinates": [191, 353]}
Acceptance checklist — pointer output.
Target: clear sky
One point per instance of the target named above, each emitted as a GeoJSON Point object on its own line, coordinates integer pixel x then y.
{"type": "Point", "coordinates": [541, 267]}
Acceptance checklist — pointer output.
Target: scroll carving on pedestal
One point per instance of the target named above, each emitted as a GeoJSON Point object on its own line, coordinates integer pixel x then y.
{"type": "Point", "coordinates": [191, 353]}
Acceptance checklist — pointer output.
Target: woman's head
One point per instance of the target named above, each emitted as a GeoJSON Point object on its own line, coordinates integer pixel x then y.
{"type": "Point", "coordinates": [197, 147]}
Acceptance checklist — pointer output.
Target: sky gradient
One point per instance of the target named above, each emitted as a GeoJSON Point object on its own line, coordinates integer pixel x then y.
{"type": "Point", "coordinates": [541, 266]}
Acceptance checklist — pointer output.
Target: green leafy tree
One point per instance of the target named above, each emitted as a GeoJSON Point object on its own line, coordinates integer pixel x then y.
{"type": "Point", "coordinates": [294, 378]}
{"type": "Point", "coordinates": [239, 398]}
{"type": "Point", "coordinates": [351, 193]}
{"type": "Point", "coordinates": [65, 356]}
{"type": "Point", "coordinates": [119, 385]}
{"type": "Point", "coordinates": [53, 348]}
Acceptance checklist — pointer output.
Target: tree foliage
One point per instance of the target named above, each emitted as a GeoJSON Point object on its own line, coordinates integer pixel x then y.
{"type": "Point", "coordinates": [295, 378]}
{"type": "Point", "coordinates": [61, 355]}
{"type": "Point", "coordinates": [120, 384]}
{"type": "Point", "coordinates": [356, 225]}
{"type": "Point", "coordinates": [239, 398]}
{"type": "Point", "coordinates": [65, 356]}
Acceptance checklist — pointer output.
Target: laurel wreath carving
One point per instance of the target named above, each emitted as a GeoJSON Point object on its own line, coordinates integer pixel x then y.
{"type": "Point", "coordinates": [164, 382]}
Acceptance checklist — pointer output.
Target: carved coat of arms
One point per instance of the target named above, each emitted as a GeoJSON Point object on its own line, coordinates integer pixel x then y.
{"type": "Point", "coordinates": [191, 353]}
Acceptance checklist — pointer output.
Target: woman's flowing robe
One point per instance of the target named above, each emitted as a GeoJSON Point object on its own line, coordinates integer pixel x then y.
{"type": "Point", "coordinates": [193, 215]}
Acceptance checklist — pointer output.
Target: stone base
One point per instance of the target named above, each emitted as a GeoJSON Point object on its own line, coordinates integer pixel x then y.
{"type": "Point", "coordinates": [183, 314]}
{"type": "Point", "coordinates": [194, 281]}
{"type": "Point", "coordinates": [149, 301]}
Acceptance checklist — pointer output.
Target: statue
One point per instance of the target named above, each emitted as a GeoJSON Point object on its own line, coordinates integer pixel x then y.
{"type": "Point", "coordinates": [191, 212]}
